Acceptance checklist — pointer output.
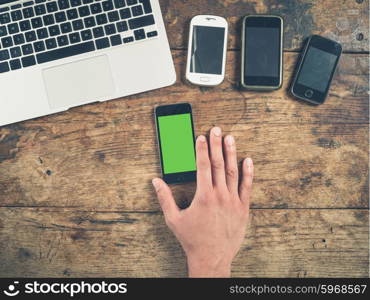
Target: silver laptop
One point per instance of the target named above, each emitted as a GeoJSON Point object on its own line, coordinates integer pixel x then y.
{"type": "Point", "coordinates": [58, 54]}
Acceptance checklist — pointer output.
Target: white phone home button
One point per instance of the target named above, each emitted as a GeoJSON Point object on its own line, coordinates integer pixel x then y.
{"type": "Point", "coordinates": [204, 79]}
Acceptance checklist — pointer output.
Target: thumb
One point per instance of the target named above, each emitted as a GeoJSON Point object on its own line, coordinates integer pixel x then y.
{"type": "Point", "coordinates": [165, 198]}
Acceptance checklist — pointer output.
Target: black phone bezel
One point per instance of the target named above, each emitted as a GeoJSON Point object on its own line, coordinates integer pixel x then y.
{"type": "Point", "coordinates": [263, 22]}
{"type": "Point", "coordinates": [301, 91]}
{"type": "Point", "coordinates": [168, 110]}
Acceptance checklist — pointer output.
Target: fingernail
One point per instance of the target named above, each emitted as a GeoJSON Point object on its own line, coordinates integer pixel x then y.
{"type": "Point", "coordinates": [249, 162]}
{"type": "Point", "coordinates": [217, 131]}
{"type": "Point", "coordinates": [230, 140]}
{"type": "Point", "coordinates": [202, 138]}
{"type": "Point", "coordinates": [156, 183]}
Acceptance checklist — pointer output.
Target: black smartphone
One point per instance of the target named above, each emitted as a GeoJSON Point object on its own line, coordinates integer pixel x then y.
{"type": "Point", "coordinates": [316, 69]}
{"type": "Point", "coordinates": [176, 140]}
{"type": "Point", "coordinates": [262, 52]}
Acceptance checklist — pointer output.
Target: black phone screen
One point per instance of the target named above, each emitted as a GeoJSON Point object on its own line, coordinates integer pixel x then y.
{"type": "Point", "coordinates": [317, 69]}
{"type": "Point", "coordinates": [262, 51]}
{"type": "Point", "coordinates": [207, 50]}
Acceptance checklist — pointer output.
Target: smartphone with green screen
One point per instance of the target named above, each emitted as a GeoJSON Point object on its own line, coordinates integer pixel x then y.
{"type": "Point", "coordinates": [176, 140]}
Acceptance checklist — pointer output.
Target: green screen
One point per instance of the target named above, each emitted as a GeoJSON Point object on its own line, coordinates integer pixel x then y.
{"type": "Point", "coordinates": [177, 143]}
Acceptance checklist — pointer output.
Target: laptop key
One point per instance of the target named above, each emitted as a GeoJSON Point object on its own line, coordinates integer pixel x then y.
{"type": "Point", "coordinates": [110, 29]}
{"type": "Point", "coordinates": [15, 52]}
{"type": "Point", "coordinates": [66, 27]}
{"type": "Point", "coordinates": [152, 34]}
{"type": "Point", "coordinates": [18, 39]}
{"type": "Point", "coordinates": [84, 11]}
{"type": "Point", "coordinates": [101, 19]}
{"type": "Point", "coordinates": [28, 61]}
{"type": "Point", "coordinates": [7, 42]}
{"type": "Point", "coordinates": [74, 38]}
{"type": "Point", "coordinates": [27, 49]}
{"type": "Point", "coordinates": [137, 10]}
{"type": "Point", "coordinates": [51, 43]}
{"type": "Point", "coordinates": [30, 36]}
{"type": "Point", "coordinates": [87, 1]}
{"type": "Point", "coordinates": [4, 18]}
{"type": "Point", "coordinates": [4, 55]}
{"type": "Point", "coordinates": [102, 43]}
{"type": "Point", "coordinates": [62, 40]}
{"type": "Point", "coordinates": [119, 3]}
{"type": "Point", "coordinates": [16, 6]}
{"type": "Point", "coordinates": [15, 64]}
{"type": "Point", "coordinates": [89, 22]}
{"type": "Point", "coordinates": [141, 22]}
{"type": "Point", "coordinates": [98, 32]}
{"type": "Point", "coordinates": [86, 35]}
{"type": "Point", "coordinates": [3, 31]}
{"type": "Point", "coordinates": [4, 67]}
{"type": "Point", "coordinates": [28, 12]}
{"type": "Point", "coordinates": [116, 40]}
{"type": "Point", "coordinates": [122, 26]}
{"type": "Point", "coordinates": [131, 2]}
{"type": "Point", "coordinates": [128, 40]}
{"type": "Point", "coordinates": [51, 7]}
{"type": "Point", "coordinates": [25, 25]}
{"type": "Point", "coordinates": [40, 9]}
{"type": "Point", "coordinates": [75, 3]}
{"type": "Point", "coordinates": [13, 28]}
{"type": "Point", "coordinates": [48, 20]}
{"type": "Point", "coordinates": [77, 25]}
{"type": "Point", "coordinates": [16, 15]}
{"type": "Point", "coordinates": [108, 5]}
{"type": "Point", "coordinates": [36, 22]}
{"type": "Point", "coordinates": [54, 30]}
{"type": "Point", "coordinates": [113, 16]}
{"type": "Point", "coordinates": [42, 33]}
{"type": "Point", "coordinates": [139, 34]}
{"type": "Point", "coordinates": [39, 46]}
{"type": "Point", "coordinates": [72, 14]}
{"type": "Point", "coordinates": [125, 13]}
{"type": "Point", "coordinates": [29, 3]}
{"type": "Point", "coordinates": [147, 6]}
{"type": "Point", "coordinates": [63, 4]}
{"type": "Point", "coordinates": [60, 16]}
{"type": "Point", "coordinates": [65, 52]}
{"type": "Point", "coordinates": [95, 8]}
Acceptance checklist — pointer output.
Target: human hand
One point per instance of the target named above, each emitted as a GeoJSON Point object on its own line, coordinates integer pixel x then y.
{"type": "Point", "coordinates": [211, 230]}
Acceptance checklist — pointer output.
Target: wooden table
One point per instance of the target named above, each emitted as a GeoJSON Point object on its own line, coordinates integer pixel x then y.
{"type": "Point", "coordinates": [76, 198]}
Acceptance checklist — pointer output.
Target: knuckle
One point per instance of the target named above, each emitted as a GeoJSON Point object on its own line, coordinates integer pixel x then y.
{"type": "Point", "coordinates": [232, 173]}
{"type": "Point", "coordinates": [217, 164]}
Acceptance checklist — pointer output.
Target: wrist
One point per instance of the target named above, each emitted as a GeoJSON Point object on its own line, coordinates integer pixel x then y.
{"type": "Point", "coordinates": [208, 268]}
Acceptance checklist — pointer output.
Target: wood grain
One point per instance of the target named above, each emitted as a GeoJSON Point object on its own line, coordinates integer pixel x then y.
{"type": "Point", "coordinates": [279, 243]}
{"type": "Point", "coordinates": [343, 21]}
{"type": "Point", "coordinates": [103, 156]}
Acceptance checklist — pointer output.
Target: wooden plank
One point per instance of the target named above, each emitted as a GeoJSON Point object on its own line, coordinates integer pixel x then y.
{"type": "Point", "coordinates": [279, 243]}
{"type": "Point", "coordinates": [111, 167]}
{"type": "Point", "coordinates": [344, 21]}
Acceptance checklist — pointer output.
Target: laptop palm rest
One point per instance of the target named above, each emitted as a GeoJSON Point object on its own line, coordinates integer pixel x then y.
{"type": "Point", "coordinates": [79, 82]}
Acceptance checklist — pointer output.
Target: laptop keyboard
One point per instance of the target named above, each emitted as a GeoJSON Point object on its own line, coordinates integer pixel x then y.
{"type": "Point", "coordinates": [41, 31]}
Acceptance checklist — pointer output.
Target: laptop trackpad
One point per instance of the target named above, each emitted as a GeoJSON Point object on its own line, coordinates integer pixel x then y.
{"type": "Point", "coordinates": [79, 82]}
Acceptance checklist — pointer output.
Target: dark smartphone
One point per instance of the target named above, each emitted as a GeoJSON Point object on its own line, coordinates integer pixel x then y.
{"type": "Point", "coordinates": [176, 140]}
{"type": "Point", "coordinates": [316, 69]}
{"type": "Point", "coordinates": [262, 52]}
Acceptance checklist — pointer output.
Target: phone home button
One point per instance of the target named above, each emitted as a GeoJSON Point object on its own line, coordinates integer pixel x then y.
{"type": "Point", "coordinates": [204, 79]}
{"type": "Point", "coordinates": [309, 93]}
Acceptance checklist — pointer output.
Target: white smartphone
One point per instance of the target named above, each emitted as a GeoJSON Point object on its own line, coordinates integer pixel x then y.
{"type": "Point", "coordinates": [207, 50]}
